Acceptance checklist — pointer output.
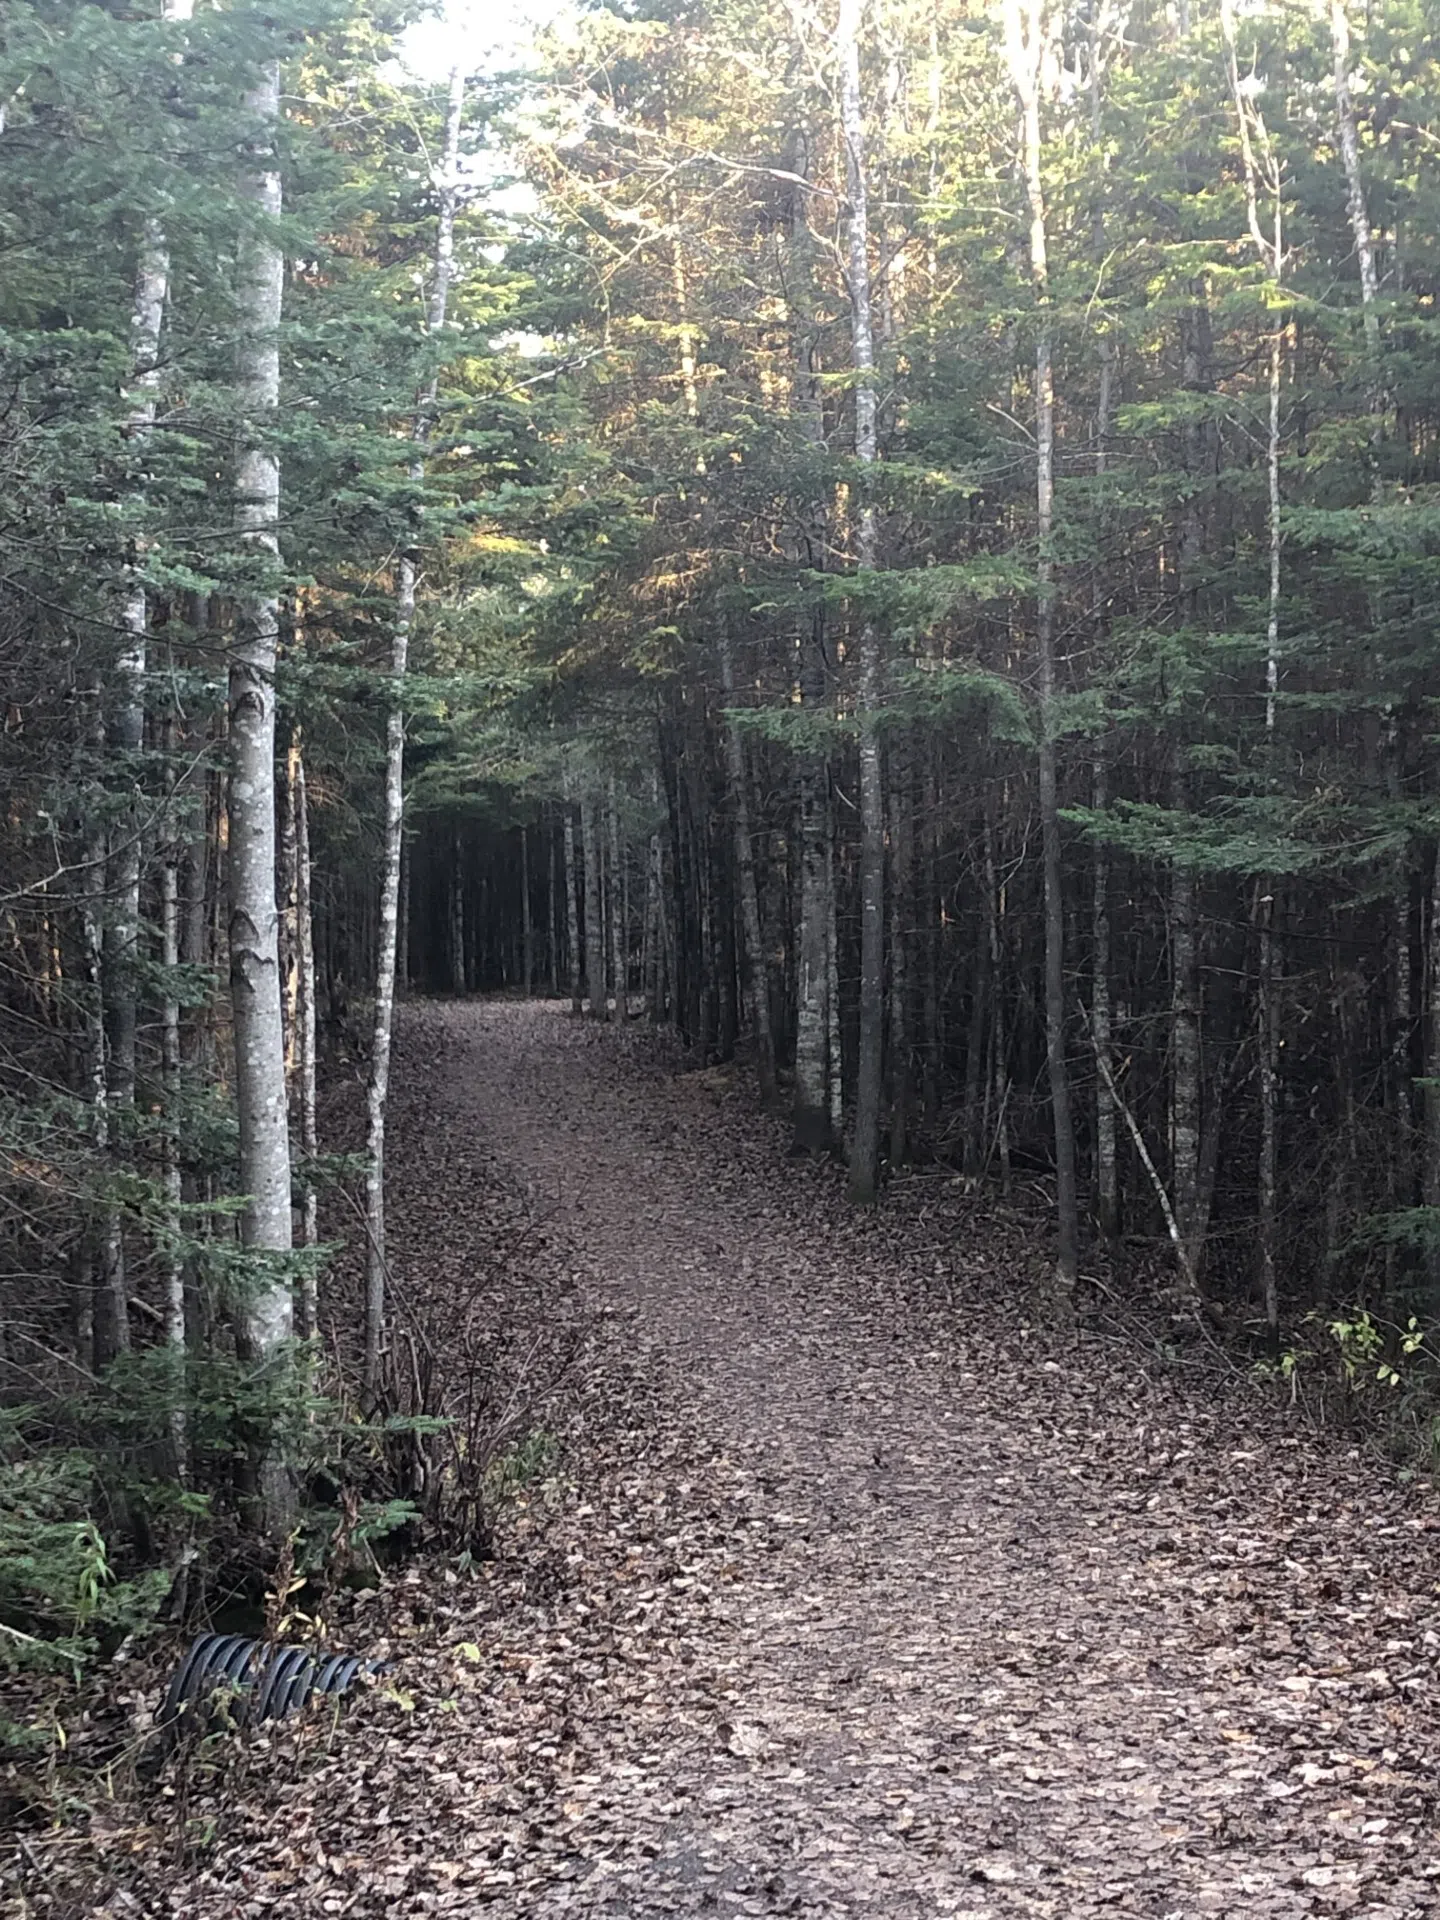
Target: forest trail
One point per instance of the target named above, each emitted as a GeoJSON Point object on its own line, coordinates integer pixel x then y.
{"type": "Point", "coordinates": [862, 1607]}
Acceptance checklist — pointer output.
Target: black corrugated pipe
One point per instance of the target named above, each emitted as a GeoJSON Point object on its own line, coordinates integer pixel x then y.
{"type": "Point", "coordinates": [234, 1680]}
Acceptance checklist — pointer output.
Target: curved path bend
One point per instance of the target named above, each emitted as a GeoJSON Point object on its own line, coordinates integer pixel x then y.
{"type": "Point", "coordinates": [865, 1602]}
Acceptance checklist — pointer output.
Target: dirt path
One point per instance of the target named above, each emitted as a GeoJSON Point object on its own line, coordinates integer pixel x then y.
{"type": "Point", "coordinates": [865, 1605]}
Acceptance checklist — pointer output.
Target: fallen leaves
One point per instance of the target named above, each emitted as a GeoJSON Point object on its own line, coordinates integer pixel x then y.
{"type": "Point", "coordinates": [851, 1593]}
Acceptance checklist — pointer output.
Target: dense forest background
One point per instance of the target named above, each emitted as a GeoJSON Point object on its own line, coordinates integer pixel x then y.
{"type": "Point", "coordinates": [897, 540]}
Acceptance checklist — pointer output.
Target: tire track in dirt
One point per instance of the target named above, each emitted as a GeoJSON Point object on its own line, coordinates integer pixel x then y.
{"type": "Point", "coordinates": [1002, 1633]}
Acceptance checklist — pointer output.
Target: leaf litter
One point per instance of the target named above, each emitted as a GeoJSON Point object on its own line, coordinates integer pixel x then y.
{"type": "Point", "coordinates": [855, 1593]}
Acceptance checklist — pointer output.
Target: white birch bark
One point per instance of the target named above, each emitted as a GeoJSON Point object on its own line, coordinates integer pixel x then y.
{"type": "Point", "coordinates": [1262, 171]}
{"type": "Point", "coordinates": [172, 1261]}
{"type": "Point", "coordinates": [870, 1061]}
{"type": "Point", "coordinates": [121, 934]}
{"type": "Point", "coordinates": [306, 1302]}
{"type": "Point", "coordinates": [378, 1085]}
{"type": "Point", "coordinates": [1025, 42]}
{"type": "Point", "coordinates": [254, 917]}
{"type": "Point", "coordinates": [1361, 232]}
{"type": "Point", "coordinates": [1356, 205]}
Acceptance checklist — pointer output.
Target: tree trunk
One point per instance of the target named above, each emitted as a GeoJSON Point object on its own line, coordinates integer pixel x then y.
{"type": "Point", "coordinates": [527, 918]}
{"type": "Point", "coordinates": [870, 1059]}
{"type": "Point", "coordinates": [1269, 1012]}
{"type": "Point", "coordinates": [173, 1264]}
{"type": "Point", "coordinates": [553, 919]}
{"type": "Point", "coordinates": [1107, 1182]}
{"type": "Point", "coordinates": [1185, 1089]}
{"type": "Point", "coordinates": [812, 1129]}
{"type": "Point", "coordinates": [594, 912]}
{"type": "Point", "coordinates": [1025, 36]}
{"type": "Point", "coordinates": [1359, 218]}
{"type": "Point", "coordinates": [307, 1304]}
{"type": "Point", "coordinates": [378, 1085]}
{"type": "Point", "coordinates": [1263, 169]}
{"type": "Point", "coordinates": [752, 960]}
{"type": "Point", "coordinates": [456, 892]}
{"type": "Point", "coordinates": [107, 1316]}
{"type": "Point", "coordinates": [619, 932]}
{"type": "Point", "coordinates": [902, 917]}
{"type": "Point", "coordinates": [834, 1038]}
{"type": "Point", "coordinates": [402, 930]}
{"type": "Point", "coordinates": [1107, 1187]}
{"type": "Point", "coordinates": [932, 925]}
{"type": "Point", "coordinates": [572, 915]}
{"type": "Point", "coordinates": [999, 1032]}
{"type": "Point", "coordinates": [254, 919]}
{"type": "Point", "coordinates": [1430, 1181]}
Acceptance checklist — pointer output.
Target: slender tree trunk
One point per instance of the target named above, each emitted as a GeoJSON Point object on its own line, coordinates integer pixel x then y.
{"type": "Point", "coordinates": [1107, 1182]}
{"type": "Point", "coordinates": [999, 1031]}
{"type": "Point", "coordinates": [1262, 169]}
{"type": "Point", "coordinates": [932, 925]}
{"type": "Point", "coordinates": [1269, 1012]}
{"type": "Point", "coordinates": [619, 934]}
{"type": "Point", "coordinates": [1270, 1025]}
{"type": "Point", "coordinates": [1025, 34]}
{"type": "Point", "coordinates": [172, 1260]}
{"type": "Point", "coordinates": [1107, 1187]}
{"type": "Point", "coordinates": [527, 918]}
{"type": "Point", "coordinates": [870, 1060]}
{"type": "Point", "coordinates": [902, 918]}
{"type": "Point", "coordinates": [1185, 1058]}
{"type": "Point", "coordinates": [554, 920]}
{"type": "Point", "coordinates": [378, 1086]}
{"type": "Point", "coordinates": [1430, 1179]}
{"type": "Point", "coordinates": [120, 973]}
{"type": "Point", "coordinates": [816, 1063]}
{"type": "Point", "coordinates": [834, 1039]}
{"type": "Point", "coordinates": [572, 915]}
{"type": "Point", "coordinates": [254, 919]}
{"type": "Point", "coordinates": [1359, 214]}
{"type": "Point", "coordinates": [402, 931]}
{"type": "Point", "coordinates": [289, 918]}
{"type": "Point", "coordinates": [757, 984]}
{"type": "Point", "coordinates": [1401, 1013]}
{"type": "Point", "coordinates": [656, 966]}
{"type": "Point", "coordinates": [307, 1304]}
{"type": "Point", "coordinates": [457, 913]}
{"type": "Point", "coordinates": [812, 1133]}
{"type": "Point", "coordinates": [108, 1315]}
{"type": "Point", "coordinates": [594, 912]}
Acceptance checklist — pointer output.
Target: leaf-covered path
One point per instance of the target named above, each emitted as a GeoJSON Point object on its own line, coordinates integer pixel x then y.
{"type": "Point", "coordinates": [867, 1601]}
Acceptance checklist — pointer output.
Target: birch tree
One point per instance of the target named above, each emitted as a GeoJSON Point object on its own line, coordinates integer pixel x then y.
{"type": "Point", "coordinates": [1026, 42]}
{"type": "Point", "coordinates": [260, 1089]}
{"type": "Point", "coordinates": [1263, 176]}
{"type": "Point", "coordinates": [378, 1085]}
{"type": "Point", "coordinates": [870, 1069]}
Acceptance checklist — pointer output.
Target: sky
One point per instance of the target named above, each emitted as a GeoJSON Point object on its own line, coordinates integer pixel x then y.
{"type": "Point", "coordinates": [477, 34]}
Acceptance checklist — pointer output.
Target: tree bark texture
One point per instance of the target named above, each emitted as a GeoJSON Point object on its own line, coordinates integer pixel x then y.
{"type": "Point", "coordinates": [378, 1083]}
{"type": "Point", "coordinates": [1025, 39]}
{"type": "Point", "coordinates": [870, 1057]}
{"type": "Point", "coordinates": [254, 918]}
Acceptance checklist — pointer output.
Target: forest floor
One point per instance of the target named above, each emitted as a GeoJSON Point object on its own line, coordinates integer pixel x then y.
{"type": "Point", "coordinates": [855, 1593]}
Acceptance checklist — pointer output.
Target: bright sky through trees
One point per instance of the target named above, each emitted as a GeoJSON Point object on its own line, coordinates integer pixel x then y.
{"type": "Point", "coordinates": [482, 33]}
